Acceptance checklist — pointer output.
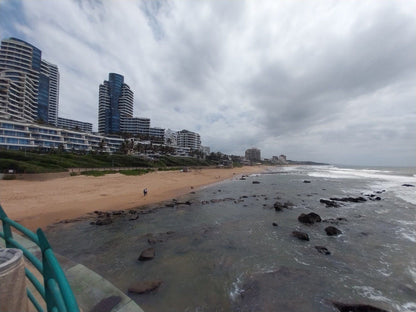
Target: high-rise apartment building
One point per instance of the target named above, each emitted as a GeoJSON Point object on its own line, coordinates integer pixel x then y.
{"type": "Point", "coordinates": [115, 104]}
{"type": "Point", "coordinates": [253, 154]}
{"type": "Point", "coordinates": [52, 72]}
{"type": "Point", "coordinates": [186, 138]}
{"type": "Point", "coordinates": [29, 86]}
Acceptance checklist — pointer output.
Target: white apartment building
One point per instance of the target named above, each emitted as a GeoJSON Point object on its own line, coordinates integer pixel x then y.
{"type": "Point", "coordinates": [23, 135]}
{"type": "Point", "coordinates": [186, 138]}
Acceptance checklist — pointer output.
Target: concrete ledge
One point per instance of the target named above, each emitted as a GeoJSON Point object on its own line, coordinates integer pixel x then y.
{"type": "Point", "coordinates": [88, 287]}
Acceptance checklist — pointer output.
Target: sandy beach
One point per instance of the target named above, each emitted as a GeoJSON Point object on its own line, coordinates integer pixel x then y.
{"type": "Point", "coordinates": [37, 204]}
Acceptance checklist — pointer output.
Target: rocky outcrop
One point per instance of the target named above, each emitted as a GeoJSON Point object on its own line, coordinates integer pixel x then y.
{"type": "Point", "coordinates": [216, 200]}
{"type": "Point", "coordinates": [301, 235]}
{"type": "Point", "coordinates": [278, 206]}
{"type": "Point", "coordinates": [332, 231]}
{"type": "Point", "coordinates": [335, 221]}
{"type": "Point", "coordinates": [330, 203]}
{"type": "Point", "coordinates": [103, 221]}
{"type": "Point", "coordinates": [147, 254]}
{"type": "Point", "coordinates": [144, 287]}
{"type": "Point", "coordinates": [309, 218]}
{"type": "Point", "coordinates": [349, 199]}
{"type": "Point", "coordinates": [323, 250]}
{"type": "Point", "coordinates": [345, 307]}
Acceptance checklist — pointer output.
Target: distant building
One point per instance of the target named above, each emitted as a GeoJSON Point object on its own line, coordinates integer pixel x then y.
{"type": "Point", "coordinates": [157, 135]}
{"type": "Point", "coordinates": [51, 109]}
{"type": "Point", "coordinates": [136, 126]}
{"type": "Point", "coordinates": [253, 154]}
{"type": "Point", "coordinates": [280, 160]}
{"type": "Point", "coordinates": [29, 86]}
{"type": "Point", "coordinates": [186, 138]}
{"type": "Point", "coordinates": [74, 124]}
{"type": "Point", "coordinates": [16, 135]}
{"type": "Point", "coordinates": [115, 104]}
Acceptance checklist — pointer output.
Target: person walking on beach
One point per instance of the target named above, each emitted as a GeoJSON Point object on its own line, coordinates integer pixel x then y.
{"type": "Point", "coordinates": [145, 192]}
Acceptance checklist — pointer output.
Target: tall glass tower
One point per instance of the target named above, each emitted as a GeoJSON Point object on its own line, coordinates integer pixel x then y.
{"type": "Point", "coordinates": [115, 104]}
{"type": "Point", "coordinates": [29, 86]}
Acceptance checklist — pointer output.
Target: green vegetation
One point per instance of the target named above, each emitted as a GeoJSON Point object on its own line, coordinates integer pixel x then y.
{"type": "Point", "coordinates": [135, 172]}
{"type": "Point", "coordinates": [32, 162]}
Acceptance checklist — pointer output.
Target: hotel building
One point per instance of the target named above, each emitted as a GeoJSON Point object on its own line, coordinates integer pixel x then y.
{"type": "Point", "coordinates": [16, 135]}
{"type": "Point", "coordinates": [29, 86]}
{"type": "Point", "coordinates": [115, 104]}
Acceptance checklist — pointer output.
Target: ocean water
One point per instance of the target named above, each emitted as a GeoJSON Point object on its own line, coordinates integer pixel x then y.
{"type": "Point", "coordinates": [222, 252]}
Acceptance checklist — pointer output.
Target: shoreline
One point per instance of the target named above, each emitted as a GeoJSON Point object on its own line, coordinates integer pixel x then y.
{"type": "Point", "coordinates": [41, 203]}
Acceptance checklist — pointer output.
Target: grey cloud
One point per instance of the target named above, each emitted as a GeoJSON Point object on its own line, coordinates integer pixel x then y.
{"type": "Point", "coordinates": [327, 81]}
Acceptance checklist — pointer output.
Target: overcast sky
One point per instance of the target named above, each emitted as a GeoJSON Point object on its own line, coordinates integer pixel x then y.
{"type": "Point", "coordinates": [330, 81]}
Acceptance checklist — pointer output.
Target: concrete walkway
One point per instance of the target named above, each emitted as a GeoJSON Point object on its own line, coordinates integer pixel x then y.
{"type": "Point", "coordinates": [92, 292]}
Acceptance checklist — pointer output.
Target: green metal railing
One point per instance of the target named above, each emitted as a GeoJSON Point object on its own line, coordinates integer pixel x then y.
{"type": "Point", "coordinates": [55, 291]}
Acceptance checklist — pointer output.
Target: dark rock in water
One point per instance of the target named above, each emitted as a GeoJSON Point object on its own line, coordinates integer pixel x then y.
{"type": "Point", "coordinates": [107, 304]}
{"type": "Point", "coordinates": [132, 211]}
{"type": "Point", "coordinates": [184, 203]}
{"type": "Point", "coordinates": [104, 221]}
{"type": "Point", "coordinates": [306, 181]}
{"type": "Point", "coordinates": [344, 307]}
{"type": "Point", "coordinates": [350, 199]}
{"type": "Point", "coordinates": [274, 224]}
{"type": "Point", "coordinates": [147, 254]}
{"type": "Point", "coordinates": [300, 235]}
{"type": "Point", "coordinates": [335, 221]}
{"type": "Point", "coordinates": [170, 205]}
{"type": "Point", "coordinates": [278, 206]}
{"type": "Point", "coordinates": [144, 287]}
{"type": "Point", "coordinates": [330, 203]}
{"type": "Point", "coordinates": [256, 182]}
{"type": "Point", "coordinates": [377, 198]}
{"type": "Point", "coordinates": [118, 213]}
{"type": "Point", "coordinates": [408, 185]}
{"type": "Point", "coordinates": [309, 218]}
{"type": "Point", "coordinates": [332, 231]}
{"type": "Point", "coordinates": [134, 218]}
{"type": "Point", "coordinates": [323, 250]}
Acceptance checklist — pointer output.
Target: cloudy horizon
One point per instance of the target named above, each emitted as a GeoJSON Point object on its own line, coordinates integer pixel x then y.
{"type": "Point", "coordinates": [325, 81]}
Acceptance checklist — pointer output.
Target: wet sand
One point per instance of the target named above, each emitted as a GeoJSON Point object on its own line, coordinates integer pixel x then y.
{"type": "Point", "coordinates": [37, 204]}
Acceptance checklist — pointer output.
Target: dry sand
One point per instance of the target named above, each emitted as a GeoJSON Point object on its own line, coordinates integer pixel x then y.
{"type": "Point", "coordinates": [37, 204]}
